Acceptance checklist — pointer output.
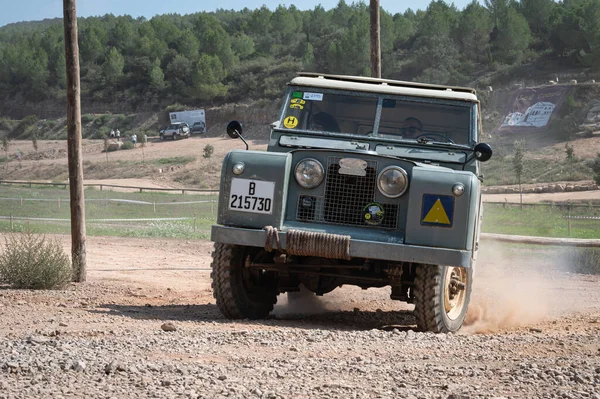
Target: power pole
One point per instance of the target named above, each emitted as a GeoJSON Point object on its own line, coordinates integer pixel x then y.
{"type": "Point", "coordinates": [78, 236]}
{"type": "Point", "coordinates": [375, 40]}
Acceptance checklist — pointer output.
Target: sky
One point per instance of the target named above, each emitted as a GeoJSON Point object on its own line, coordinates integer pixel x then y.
{"type": "Point", "coordinates": [34, 10]}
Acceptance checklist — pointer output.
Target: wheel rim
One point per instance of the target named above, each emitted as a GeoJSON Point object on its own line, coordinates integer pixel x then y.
{"type": "Point", "coordinates": [455, 291]}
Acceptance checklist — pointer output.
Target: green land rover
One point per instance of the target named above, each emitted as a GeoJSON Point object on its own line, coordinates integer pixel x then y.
{"type": "Point", "coordinates": [368, 182]}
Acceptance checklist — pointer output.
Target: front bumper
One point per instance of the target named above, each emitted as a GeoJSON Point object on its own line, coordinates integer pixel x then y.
{"type": "Point", "coordinates": [358, 248]}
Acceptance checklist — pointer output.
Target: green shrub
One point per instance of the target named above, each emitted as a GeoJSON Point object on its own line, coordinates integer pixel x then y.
{"type": "Point", "coordinates": [31, 261]}
{"type": "Point", "coordinates": [208, 151]}
{"type": "Point", "coordinates": [595, 165]}
{"type": "Point", "coordinates": [127, 145]}
{"type": "Point", "coordinates": [23, 126]}
{"type": "Point", "coordinates": [175, 160]}
{"type": "Point", "coordinates": [102, 120]}
{"type": "Point", "coordinates": [87, 118]}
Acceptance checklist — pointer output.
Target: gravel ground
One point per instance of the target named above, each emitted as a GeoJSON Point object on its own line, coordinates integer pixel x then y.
{"type": "Point", "coordinates": [138, 329]}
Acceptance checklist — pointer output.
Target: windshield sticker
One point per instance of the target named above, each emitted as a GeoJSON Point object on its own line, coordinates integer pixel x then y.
{"type": "Point", "coordinates": [296, 106]}
{"type": "Point", "coordinates": [290, 122]}
{"type": "Point", "coordinates": [297, 94]}
{"type": "Point", "coordinates": [298, 101]}
{"type": "Point", "coordinates": [313, 96]}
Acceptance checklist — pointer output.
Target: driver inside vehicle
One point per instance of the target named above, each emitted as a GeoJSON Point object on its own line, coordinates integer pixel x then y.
{"type": "Point", "coordinates": [411, 128]}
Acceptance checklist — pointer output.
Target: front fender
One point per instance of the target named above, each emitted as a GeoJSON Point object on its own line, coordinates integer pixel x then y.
{"type": "Point", "coordinates": [259, 166]}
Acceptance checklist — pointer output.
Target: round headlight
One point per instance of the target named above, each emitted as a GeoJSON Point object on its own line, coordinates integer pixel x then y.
{"type": "Point", "coordinates": [309, 173]}
{"type": "Point", "coordinates": [238, 168]}
{"type": "Point", "coordinates": [392, 181]}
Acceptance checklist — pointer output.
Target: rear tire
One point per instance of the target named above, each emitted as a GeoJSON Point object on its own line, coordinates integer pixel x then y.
{"type": "Point", "coordinates": [239, 293]}
{"type": "Point", "coordinates": [442, 295]}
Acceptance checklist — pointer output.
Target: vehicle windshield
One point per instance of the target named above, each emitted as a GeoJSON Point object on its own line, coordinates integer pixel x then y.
{"type": "Point", "coordinates": [401, 118]}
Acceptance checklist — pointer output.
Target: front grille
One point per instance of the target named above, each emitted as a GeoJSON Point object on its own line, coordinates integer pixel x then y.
{"type": "Point", "coordinates": [345, 199]}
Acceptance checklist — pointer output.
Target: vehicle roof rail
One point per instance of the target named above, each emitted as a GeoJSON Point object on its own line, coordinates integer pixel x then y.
{"type": "Point", "coordinates": [389, 82]}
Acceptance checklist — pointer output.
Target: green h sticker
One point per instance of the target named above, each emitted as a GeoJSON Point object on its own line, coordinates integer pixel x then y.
{"type": "Point", "coordinates": [297, 94]}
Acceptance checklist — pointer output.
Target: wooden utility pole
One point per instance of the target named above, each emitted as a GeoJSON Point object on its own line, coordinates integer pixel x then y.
{"type": "Point", "coordinates": [375, 40]}
{"type": "Point", "coordinates": [78, 236]}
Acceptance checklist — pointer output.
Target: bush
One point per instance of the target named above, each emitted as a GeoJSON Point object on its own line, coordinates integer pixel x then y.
{"type": "Point", "coordinates": [31, 261]}
{"type": "Point", "coordinates": [87, 118]}
{"type": "Point", "coordinates": [208, 151]}
{"type": "Point", "coordinates": [127, 145]}
{"type": "Point", "coordinates": [595, 165]}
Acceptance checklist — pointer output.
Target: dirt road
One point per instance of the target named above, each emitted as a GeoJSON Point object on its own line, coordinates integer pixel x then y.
{"type": "Point", "coordinates": [534, 331]}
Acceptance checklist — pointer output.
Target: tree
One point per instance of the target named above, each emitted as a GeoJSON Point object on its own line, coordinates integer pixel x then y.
{"type": "Point", "coordinates": [178, 73]}
{"type": "Point", "coordinates": [157, 77]}
{"type": "Point", "coordinates": [596, 169]}
{"type": "Point", "coordinates": [473, 32]}
{"type": "Point", "coordinates": [518, 164]}
{"type": "Point", "coordinates": [113, 67]}
{"type": "Point", "coordinates": [242, 45]}
{"type": "Point", "coordinates": [34, 140]}
{"type": "Point", "coordinates": [512, 37]}
{"type": "Point", "coordinates": [207, 77]}
{"type": "Point", "coordinates": [143, 142]}
{"type": "Point", "coordinates": [570, 158]}
{"type": "Point", "coordinates": [188, 45]}
{"type": "Point", "coordinates": [5, 148]}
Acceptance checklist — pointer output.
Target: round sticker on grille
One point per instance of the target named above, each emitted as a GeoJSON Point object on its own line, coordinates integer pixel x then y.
{"type": "Point", "coordinates": [373, 214]}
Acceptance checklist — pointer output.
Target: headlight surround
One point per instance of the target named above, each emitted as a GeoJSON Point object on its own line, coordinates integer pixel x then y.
{"type": "Point", "coordinates": [392, 181]}
{"type": "Point", "coordinates": [309, 173]}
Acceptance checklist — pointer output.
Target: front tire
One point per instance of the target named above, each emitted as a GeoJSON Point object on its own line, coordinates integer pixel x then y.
{"type": "Point", "coordinates": [239, 292]}
{"type": "Point", "coordinates": [442, 295]}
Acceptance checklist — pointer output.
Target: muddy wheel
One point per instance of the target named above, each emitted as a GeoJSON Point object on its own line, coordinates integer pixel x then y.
{"type": "Point", "coordinates": [442, 295]}
{"type": "Point", "coordinates": [240, 293]}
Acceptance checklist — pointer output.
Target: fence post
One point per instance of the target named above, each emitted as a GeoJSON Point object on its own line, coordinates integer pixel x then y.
{"type": "Point", "coordinates": [154, 206]}
{"type": "Point", "coordinates": [101, 187]}
{"type": "Point", "coordinates": [11, 222]}
{"type": "Point", "coordinates": [141, 189]}
{"type": "Point", "coordinates": [569, 220]}
{"type": "Point", "coordinates": [21, 201]}
{"type": "Point", "coordinates": [58, 202]}
{"type": "Point", "coordinates": [195, 218]}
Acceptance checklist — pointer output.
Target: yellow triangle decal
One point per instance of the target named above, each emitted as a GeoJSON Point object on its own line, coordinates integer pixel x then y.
{"type": "Point", "coordinates": [437, 214]}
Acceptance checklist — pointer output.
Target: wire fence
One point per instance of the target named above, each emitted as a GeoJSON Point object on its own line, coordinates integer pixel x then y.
{"type": "Point", "coordinates": [138, 211]}
{"type": "Point", "coordinates": [141, 211]}
{"type": "Point", "coordinates": [569, 220]}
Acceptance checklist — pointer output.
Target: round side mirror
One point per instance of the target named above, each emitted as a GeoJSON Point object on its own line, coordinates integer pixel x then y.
{"type": "Point", "coordinates": [483, 152]}
{"type": "Point", "coordinates": [234, 129]}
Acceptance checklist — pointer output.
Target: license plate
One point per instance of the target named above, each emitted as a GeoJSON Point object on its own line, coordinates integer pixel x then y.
{"type": "Point", "coordinates": [251, 196]}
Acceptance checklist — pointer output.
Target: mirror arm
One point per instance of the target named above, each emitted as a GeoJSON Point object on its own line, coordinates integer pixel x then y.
{"type": "Point", "coordinates": [243, 139]}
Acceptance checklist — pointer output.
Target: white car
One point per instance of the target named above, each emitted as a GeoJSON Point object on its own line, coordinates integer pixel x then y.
{"type": "Point", "coordinates": [176, 131]}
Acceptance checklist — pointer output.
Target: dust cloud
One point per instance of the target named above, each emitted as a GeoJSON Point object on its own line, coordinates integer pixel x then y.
{"type": "Point", "coordinates": [514, 286]}
{"type": "Point", "coordinates": [303, 302]}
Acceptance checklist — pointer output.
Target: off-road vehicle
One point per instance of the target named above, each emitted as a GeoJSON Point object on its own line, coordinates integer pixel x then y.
{"type": "Point", "coordinates": [368, 182]}
{"type": "Point", "coordinates": [176, 131]}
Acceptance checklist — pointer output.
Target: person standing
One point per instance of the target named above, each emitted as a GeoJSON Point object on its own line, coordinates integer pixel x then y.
{"type": "Point", "coordinates": [112, 133]}
{"type": "Point", "coordinates": [134, 139]}
{"type": "Point", "coordinates": [118, 135]}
